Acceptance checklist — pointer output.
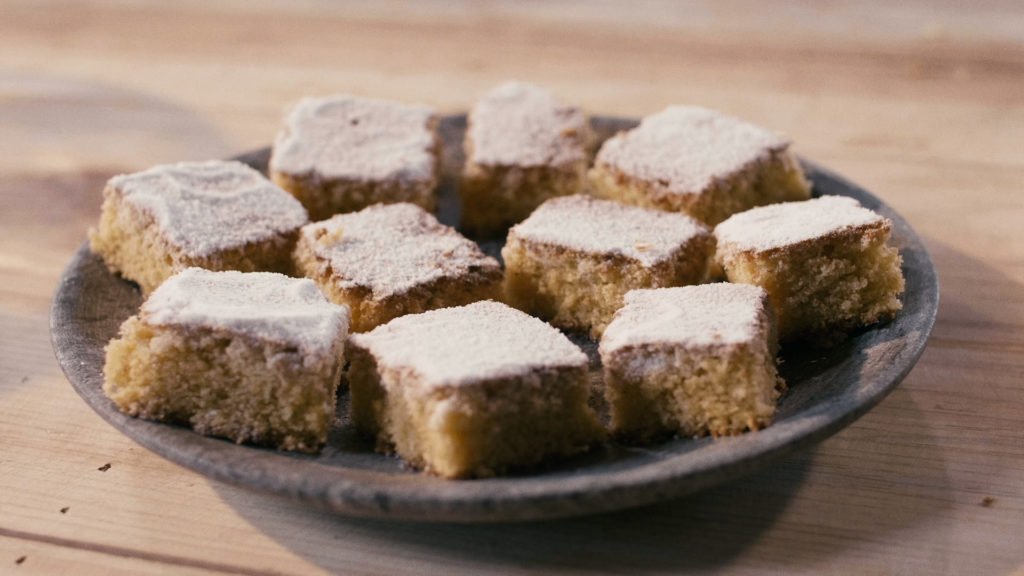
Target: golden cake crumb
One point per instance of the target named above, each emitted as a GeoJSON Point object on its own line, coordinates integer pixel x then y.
{"type": "Point", "coordinates": [252, 357]}
{"type": "Point", "coordinates": [826, 264]}
{"type": "Point", "coordinates": [691, 361]}
{"type": "Point", "coordinates": [522, 147]}
{"type": "Point", "coordinates": [699, 162]}
{"type": "Point", "coordinates": [343, 153]}
{"type": "Point", "coordinates": [215, 215]}
{"type": "Point", "coordinates": [575, 257]}
{"type": "Point", "coordinates": [471, 391]}
{"type": "Point", "coordinates": [393, 259]}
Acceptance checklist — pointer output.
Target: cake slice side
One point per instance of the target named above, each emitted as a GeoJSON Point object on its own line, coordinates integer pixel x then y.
{"type": "Point", "coordinates": [699, 162]}
{"type": "Point", "coordinates": [522, 147]}
{"type": "Point", "coordinates": [691, 361]}
{"type": "Point", "coordinates": [572, 261]}
{"type": "Point", "coordinates": [342, 153]}
{"type": "Point", "coordinates": [391, 260]}
{"type": "Point", "coordinates": [471, 391]}
{"type": "Point", "coordinates": [827, 264]}
{"type": "Point", "coordinates": [252, 357]}
{"type": "Point", "coordinates": [218, 215]}
{"type": "Point", "coordinates": [224, 385]}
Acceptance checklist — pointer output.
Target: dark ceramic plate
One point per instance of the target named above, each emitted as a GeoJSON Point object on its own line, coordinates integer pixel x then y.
{"type": "Point", "coordinates": [827, 391]}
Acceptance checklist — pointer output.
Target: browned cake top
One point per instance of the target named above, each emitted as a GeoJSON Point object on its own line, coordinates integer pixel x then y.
{"type": "Point", "coordinates": [719, 314]}
{"type": "Point", "coordinates": [469, 344]}
{"type": "Point", "coordinates": [789, 223]}
{"type": "Point", "coordinates": [353, 138]}
{"type": "Point", "coordinates": [207, 207]}
{"type": "Point", "coordinates": [262, 305]}
{"type": "Point", "coordinates": [684, 149]}
{"type": "Point", "coordinates": [519, 124]}
{"type": "Point", "coordinates": [599, 227]}
{"type": "Point", "coordinates": [391, 248]}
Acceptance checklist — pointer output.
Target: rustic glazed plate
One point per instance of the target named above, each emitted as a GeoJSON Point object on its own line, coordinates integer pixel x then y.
{"type": "Point", "coordinates": [827, 391]}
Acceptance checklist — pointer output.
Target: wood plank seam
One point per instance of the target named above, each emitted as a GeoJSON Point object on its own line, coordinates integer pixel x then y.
{"type": "Point", "coordinates": [122, 552]}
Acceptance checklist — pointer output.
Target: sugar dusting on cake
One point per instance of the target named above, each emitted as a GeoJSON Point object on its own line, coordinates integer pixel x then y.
{"type": "Point", "coordinates": [391, 248]}
{"type": "Point", "coordinates": [684, 149]}
{"type": "Point", "coordinates": [595, 226]}
{"type": "Point", "coordinates": [719, 314]}
{"type": "Point", "coordinates": [346, 137]}
{"type": "Point", "coordinates": [262, 305]}
{"type": "Point", "coordinates": [519, 124]}
{"type": "Point", "coordinates": [469, 344]}
{"type": "Point", "coordinates": [780, 225]}
{"type": "Point", "coordinates": [207, 207]}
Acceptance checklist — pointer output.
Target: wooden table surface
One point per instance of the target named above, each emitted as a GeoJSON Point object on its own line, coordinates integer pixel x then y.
{"type": "Point", "coordinates": [923, 103]}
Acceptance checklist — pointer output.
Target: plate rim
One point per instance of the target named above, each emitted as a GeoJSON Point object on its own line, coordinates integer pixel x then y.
{"type": "Point", "coordinates": [345, 490]}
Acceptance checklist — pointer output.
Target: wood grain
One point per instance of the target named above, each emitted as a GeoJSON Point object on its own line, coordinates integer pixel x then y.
{"type": "Point", "coordinates": [919, 102]}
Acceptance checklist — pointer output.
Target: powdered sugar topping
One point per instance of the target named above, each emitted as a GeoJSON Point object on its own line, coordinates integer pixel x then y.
{"type": "Point", "coordinates": [262, 305]}
{"type": "Point", "coordinates": [596, 226]}
{"type": "Point", "coordinates": [696, 316]}
{"type": "Point", "coordinates": [519, 124]}
{"type": "Point", "coordinates": [345, 137]}
{"type": "Point", "coordinates": [391, 248]}
{"type": "Point", "coordinates": [470, 344]}
{"type": "Point", "coordinates": [780, 225]}
{"type": "Point", "coordinates": [684, 149]}
{"type": "Point", "coordinates": [207, 207]}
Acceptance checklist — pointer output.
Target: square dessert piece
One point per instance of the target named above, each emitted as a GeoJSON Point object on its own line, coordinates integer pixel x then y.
{"type": "Point", "coordinates": [522, 147]}
{"type": "Point", "coordinates": [698, 161]}
{"type": "Point", "coordinates": [691, 361]}
{"type": "Point", "coordinates": [471, 391]}
{"type": "Point", "coordinates": [251, 357]}
{"type": "Point", "coordinates": [394, 259]}
{"type": "Point", "coordinates": [575, 257]}
{"type": "Point", "coordinates": [825, 263]}
{"type": "Point", "coordinates": [214, 215]}
{"type": "Point", "coordinates": [342, 153]}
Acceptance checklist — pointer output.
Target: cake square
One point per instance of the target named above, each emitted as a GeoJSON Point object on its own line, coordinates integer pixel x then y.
{"type": "Point", "coordinates": [343, 153]}
{"type": "Point", "coordinates": [700, 162]}
{"type": "Point", "coordinates": [522, 147]}
{"type": "Point", "coordinates": [825, 263]}
{"type": "Point", "coordinates": [575, 257]}
{"type": "Point", "coordinates": [393, 259]}
{"type": "Point", "coordinates": [691, 361]}
{"type": "Point", "coordinates": [215, 215]}
{"type": "Point", "coordinates": [252, 357]}
{"type": "Point", "coordinates": [471, 391]}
